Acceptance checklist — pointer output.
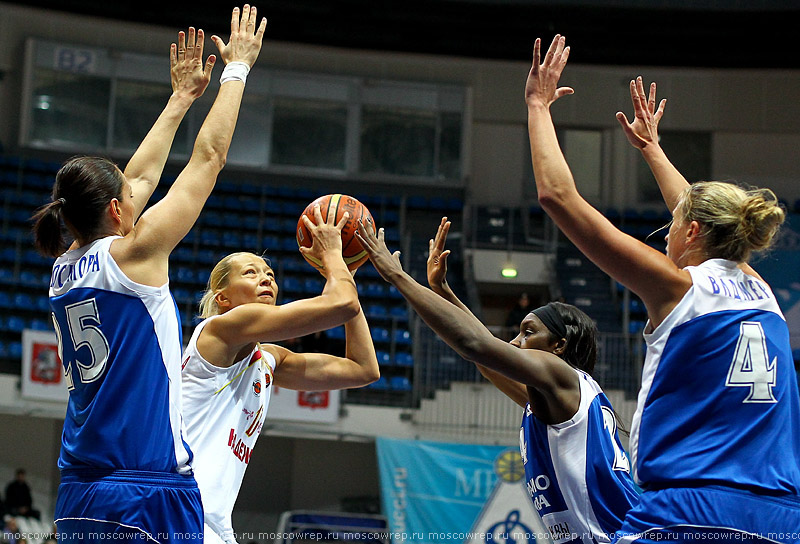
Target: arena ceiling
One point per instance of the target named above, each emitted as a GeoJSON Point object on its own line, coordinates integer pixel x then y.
{"type": "Point", "coordinates": [700, 33]}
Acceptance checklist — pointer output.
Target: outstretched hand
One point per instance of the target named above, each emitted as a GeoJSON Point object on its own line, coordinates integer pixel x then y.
{"type": "Point", "coordinates": [644, 129]}
{"type": "Point", "coordinates": [387, 264]}
{"type": "Point", "coordinates": [437, 257]}
{"type": "Point", "coordinates": [245, 42]}
{"type": "Point", "coordinates": [188, 75]}
{"type": "Point", "coordinates": [542, 88]}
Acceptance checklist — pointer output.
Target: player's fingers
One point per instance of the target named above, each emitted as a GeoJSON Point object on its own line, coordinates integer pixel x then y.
{"type": "Point", "coordinates": [342, 222]}
{"type": "Point", "coordinates": [173, 55]}
{"type": "Point", "coordinates": [651, 98]}
{"type": "Point", "coordinates": [198, 46]}
{"type": "Point", "coordinates": [537, 53]}
{"type": "Point", "coordinates": [251, 20]}
{"type": "Point", "coordinates": [209, 66]}
{"type": "Point", "coordinates": [245, 16]}
{"type": "Point", "coordinates": [181, 45]}
{"type": "Point", "coordinates": [660, 112]}
{"type": "Point", "coordinates": [318, 215]}
{"type": "Point", "coordinates": [235, 21]}
{"type": "Point", "coordinates": [190, 39]}
{"type": "Point", "coordinates": [261, 29]}
{"type": "Point", "coordinates": [308, 223]}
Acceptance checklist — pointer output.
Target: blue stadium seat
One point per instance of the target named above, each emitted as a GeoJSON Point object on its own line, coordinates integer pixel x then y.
{"type": "Point", "coordinates": [313, 285]}
{"type": "Point", "coordinates": [402, 337]}
{"type": "Point", "coordinates": [23, 301]}
{"type": "Point", "coordinates": [288, 244]}
{"type": "Point", "coordinates": [41, 325]}
{"type": "Point", "coordinates": [293, 285]}
{"type": "Point", "coordinates": [402, 358]}
{"type": "Point", "coordinates": [207, 256]}
{"type": "Point", "coordinates": [42, 304]}
{"type": "Point", "coordinates": [399, 312]}
{"type": "Point", "coordinates": [380, 334]}
{"type": "Point", "coordinates": [376, 311]}
{"type": "Point", "coordinates": [14, 323]}
{"type": "Point", "coordinates": [399, 383]}
{"type": "Point", "coordinates": [394, 293]}
{"type": "Point", "coordinates": [210, 238]}
{"type": "Point", "coordinates": [270, 242]}
{"type": "Point", "coordinates": [374, 290]}
{"type": "Point", "coordinates": [232, 240]}
{"type": "Point", "coordinates": [336, 333]}
{"type": "Point", "coordinates": [381, 384]}
{"type": "Point", "coordinates": [30, 279]}
{"type": "Point", "coordinates": [384, 359]}
{"type": "Point", "coordinates": [15, 350]}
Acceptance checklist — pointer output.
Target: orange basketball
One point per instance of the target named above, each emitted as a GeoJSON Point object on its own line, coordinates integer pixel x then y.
{"type": "Point", "coordinates": [354, 255]}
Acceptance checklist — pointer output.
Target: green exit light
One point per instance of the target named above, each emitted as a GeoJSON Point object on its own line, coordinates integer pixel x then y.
{"type": "Point", "coordinates": [509, 272]}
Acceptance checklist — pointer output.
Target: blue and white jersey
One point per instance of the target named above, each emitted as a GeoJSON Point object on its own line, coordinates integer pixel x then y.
{"type": "Point", "coordinates": [577, 473]}
{"type": "Point", "coordinates": [120, 344]}
{"type": "Point", "coordinates": [719, 402]}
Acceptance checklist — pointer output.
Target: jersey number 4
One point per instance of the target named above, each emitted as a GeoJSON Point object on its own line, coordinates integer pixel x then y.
{"type": "Point", "coordinates": [751, 366]}
{"type": "Point", "coordinates": [83, 323]}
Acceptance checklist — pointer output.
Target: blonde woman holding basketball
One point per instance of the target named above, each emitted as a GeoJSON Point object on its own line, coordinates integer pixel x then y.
{"type": "Point", "coordinates": [229, 373]}
{"type": "Point", "coordinates": [715, 441]}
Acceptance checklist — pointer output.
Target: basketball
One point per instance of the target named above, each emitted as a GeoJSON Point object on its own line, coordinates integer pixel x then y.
{"type": "Point", "coordinates": [354, 255]}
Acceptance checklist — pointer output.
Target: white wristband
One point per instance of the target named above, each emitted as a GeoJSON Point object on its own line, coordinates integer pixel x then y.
{"type": "Point", "coordinates": [235, 70]}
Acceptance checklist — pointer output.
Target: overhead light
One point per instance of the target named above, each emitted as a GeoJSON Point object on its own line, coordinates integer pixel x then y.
{"type": "Point", "coordinates": [509, 271]}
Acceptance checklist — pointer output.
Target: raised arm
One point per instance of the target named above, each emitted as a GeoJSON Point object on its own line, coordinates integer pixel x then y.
{"type": "Point", "coordinates": [643, 135]}
{"type": "Point", "coordinates": [166, 223]}
{"type": "Point", "coordinates": [437, 281]}
{"type": "Point", "coordinates": [322, 372]}
{"type": "Point", "coordinates": [648, 273]}
{"type": "Point", "coordinates": [189, 78]}
{"type": "Point", "coordinates": [469, 337]}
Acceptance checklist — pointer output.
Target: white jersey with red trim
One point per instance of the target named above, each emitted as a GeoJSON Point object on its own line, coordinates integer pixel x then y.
{"type": "Point", "coordinates": [223, 409]}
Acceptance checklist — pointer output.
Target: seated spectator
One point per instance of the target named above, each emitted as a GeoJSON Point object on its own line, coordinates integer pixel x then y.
{"type": "Point", "coordinates": [18, 497]}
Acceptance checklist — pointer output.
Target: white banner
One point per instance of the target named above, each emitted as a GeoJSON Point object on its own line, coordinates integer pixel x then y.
{"type": "Point", "coordinates": [312, 406]}
{"type": "Point", "coordinates": [42, 371]}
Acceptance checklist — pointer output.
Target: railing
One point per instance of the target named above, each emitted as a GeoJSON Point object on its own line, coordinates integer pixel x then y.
{"type": "Point", "coordinates": [620, 358]}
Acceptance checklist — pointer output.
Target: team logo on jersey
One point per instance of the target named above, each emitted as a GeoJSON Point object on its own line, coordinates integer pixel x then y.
{"type": "Point", "coordinates": [257, 387]}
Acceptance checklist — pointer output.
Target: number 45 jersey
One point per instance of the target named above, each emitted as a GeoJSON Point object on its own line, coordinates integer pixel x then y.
{"type": "Point", "coordinates": [120, 344]}
{"type": "Point", "coordinates": [719, 401]}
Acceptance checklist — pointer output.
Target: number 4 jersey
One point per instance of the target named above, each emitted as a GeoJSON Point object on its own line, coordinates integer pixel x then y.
{"type": "Point", "coordinates": [719, 401]}
{"type": "Point", "coordinates": [120, 344]}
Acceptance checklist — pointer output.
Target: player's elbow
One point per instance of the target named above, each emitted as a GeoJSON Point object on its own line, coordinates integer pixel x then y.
{"type": "Point", "coordinates": [214, 154]}
{"type": "Point", "coordinates": [372, 373]}
{"type": "Point", "coordinates": [470, 347]}
{"type": "Point", "coordinates": [551, 199]}
{"type": "Point", "coordinates": [346, 307]}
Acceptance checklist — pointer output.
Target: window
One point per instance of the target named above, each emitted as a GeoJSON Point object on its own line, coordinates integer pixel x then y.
{"type": "Point", "coordinates": [310, 133]}
{"type": "Point", "coordinates": [690, 152]}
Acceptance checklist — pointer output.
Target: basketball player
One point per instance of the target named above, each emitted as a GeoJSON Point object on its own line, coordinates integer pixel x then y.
{"type": "Point", "coordinates": [124, 464]}
{"type": "Point", "coordinates": [228, 375]}
{"type": "Point", "coordinates": [715, 441]}
{"type": "Point", "coordinates": [576, 470]}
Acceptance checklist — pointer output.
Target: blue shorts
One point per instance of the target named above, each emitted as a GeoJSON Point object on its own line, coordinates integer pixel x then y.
{"type": "Point", "coordinates": [126, 505]}
{"type": "Point", "coordinates": [706, 514]}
